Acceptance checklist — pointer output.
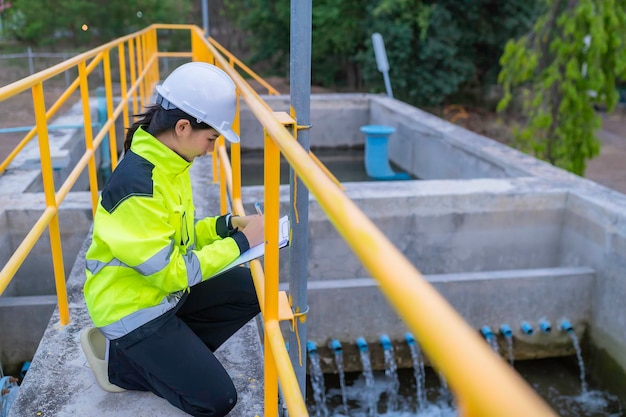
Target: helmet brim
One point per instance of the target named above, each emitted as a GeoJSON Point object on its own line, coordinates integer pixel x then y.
{"type": "Point", "coordinates": [230, 135]}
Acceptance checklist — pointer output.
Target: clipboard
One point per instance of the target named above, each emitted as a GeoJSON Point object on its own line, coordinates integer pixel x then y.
{"type": "Point", "coordinates": [257, 251]}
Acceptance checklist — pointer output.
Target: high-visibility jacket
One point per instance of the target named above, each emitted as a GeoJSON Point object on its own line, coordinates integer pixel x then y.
{"type": "Point", "coordinates": [147, 248]}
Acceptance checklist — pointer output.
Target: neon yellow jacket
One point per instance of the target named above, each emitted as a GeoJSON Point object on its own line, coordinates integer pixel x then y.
{"type": "Point", "coordinates": [147, 248]}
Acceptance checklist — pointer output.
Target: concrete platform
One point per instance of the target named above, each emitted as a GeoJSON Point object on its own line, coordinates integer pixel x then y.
{"type": "Point", "coordinates": [60, 382]}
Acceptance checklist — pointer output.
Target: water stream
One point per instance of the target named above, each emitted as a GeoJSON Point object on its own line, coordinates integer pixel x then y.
{"type": "Point", "coordinates": [392, 379]}
{"type": "Point", "coordinates": [317, 383]}
{"type": "Point", "coordinates": [419, 373]}
{"type": "Point", "coordinates": [370, 393]}
{"type": "Point", "coordinates": [493, 342]}
{"type": "Point", "coordinates": [581, 364]}
{"type": "Point", "coordinates": [342, 380]}
{"type": "Point", "coordinates": [422, 392]}
{"type": "Point", "coordinates": [509, 344]}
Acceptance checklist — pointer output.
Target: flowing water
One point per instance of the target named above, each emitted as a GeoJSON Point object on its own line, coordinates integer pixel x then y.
{"type": "Point", "coordinates": [317, 384]}
{"type": "Point", "coordinates": [342, 379]}
{"type": "Point", "coordinates": [493, 342]}
{"type": "Point", "coordinates": [392, 380]}
{"type": "Point", "coordinates": [419, 373]}
{"type": "Point", "coordinates": [509, 344]}
{"type": "Point", "coordinates": [557, 380]}
{"type": "Point", "coordinates": [581, 363]}
{"type": "Point", "coordinates": [370, 393]}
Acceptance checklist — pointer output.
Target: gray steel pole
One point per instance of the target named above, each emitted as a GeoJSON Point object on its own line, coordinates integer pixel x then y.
{"type": "Point", "coordinates": [205, 17]}
{"type": "Point", "coordinates": [300, 91]}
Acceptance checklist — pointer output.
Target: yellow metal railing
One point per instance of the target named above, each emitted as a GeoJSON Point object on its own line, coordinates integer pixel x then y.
{"type": "Point", "coordinates": [85, 64]}
{"type": "Point", "coordinates": [483, 384]}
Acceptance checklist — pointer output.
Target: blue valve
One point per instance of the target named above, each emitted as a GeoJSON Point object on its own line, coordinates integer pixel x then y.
{"type": "Point", "coordinates": [385, 342]}
{"type": "Point", "coordinates": [335, 345]}
{"type": "Point", "coordinates": [567, 326]}
{"type": "Point", "coordinates": [527, 328]}
{"type": "Point", "coordinates": [361, 344]}
{"type": "Point", "coordinates": [506, 330]}
{"type": "Point", "coordinates": [545, 326]}
{"type": "Point", "coordinates": [486, 331]}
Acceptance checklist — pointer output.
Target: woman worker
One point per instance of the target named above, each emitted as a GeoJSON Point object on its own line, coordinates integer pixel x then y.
{"type": "Point", "coordinates": [149, 287]}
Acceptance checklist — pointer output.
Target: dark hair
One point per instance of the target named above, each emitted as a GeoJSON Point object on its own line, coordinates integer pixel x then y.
{"type": "Point", "coordinates": [156, 120]}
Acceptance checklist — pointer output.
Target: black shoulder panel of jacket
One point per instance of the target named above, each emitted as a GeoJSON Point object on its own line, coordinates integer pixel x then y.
{"type": "Point", "coordinates": [132, 177]}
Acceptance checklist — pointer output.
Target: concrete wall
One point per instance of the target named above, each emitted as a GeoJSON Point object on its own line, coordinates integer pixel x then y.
{"type": "Point", "coordinates": [486, 220]}
{"type": "Point", "coordinates": [35, 276]}
{"type": "Point", "coordinates": [483, 208]}
{"type": "Point", "coordinates": [335, 120]}
{"type": "Point", "coordinates": [595, 235]}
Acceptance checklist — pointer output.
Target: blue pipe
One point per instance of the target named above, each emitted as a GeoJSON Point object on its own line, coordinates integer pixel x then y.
{"type": "Point", "coordinates": [527, 328]}
{"type": "Point", "coordinates": [506, 330]}
{"type": "Point", "coordinates": [335, 345]}
{"type": "Point", "coordinates": [311, 347]}
{"type": "Point", "coordinates": [361, 344]}
{"type": "Point", "coordinates": [386, 342]}
{"type": "Point", "coordinates": [25, 368]}
{"type": "Point", "coordinates": [545, 326]}
{"type": "Point", "coordinates": [410, 340]}
{"type": "Point", "coordinates": [567, 326]}
{"type": "Point", "coordinates": [487, 333]}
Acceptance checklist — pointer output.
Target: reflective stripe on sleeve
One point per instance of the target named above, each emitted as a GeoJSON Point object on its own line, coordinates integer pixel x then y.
{"type": "Point", "coordinates": [155, 264]}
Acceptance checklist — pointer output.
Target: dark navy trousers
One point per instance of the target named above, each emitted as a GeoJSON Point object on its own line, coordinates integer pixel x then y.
{"type": "Point", "coordinates": [172, 356]}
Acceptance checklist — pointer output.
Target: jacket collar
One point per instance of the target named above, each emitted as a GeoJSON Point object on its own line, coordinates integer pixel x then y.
{"type": "Point", "coordinates": [149, 147]}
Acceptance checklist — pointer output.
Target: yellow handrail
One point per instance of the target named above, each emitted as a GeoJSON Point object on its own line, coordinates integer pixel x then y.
{"type": "Point", "coordinates": [500, 391]}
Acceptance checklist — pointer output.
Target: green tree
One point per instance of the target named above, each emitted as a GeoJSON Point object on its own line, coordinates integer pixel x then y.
{"type": "Point", "coordinates": [436, 48]}
{"type": "Point", "coordinates": [336, 28]}
{"type": "Point", "coordinates": [559, 72]}
{"type": "Point", "coordinates": [444, 49]}
{"type": "Point", "coordinates": [40, 22]}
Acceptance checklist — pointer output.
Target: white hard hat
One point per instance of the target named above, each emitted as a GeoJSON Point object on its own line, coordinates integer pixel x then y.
{"type": "Point", "coordinates": [202, 91]}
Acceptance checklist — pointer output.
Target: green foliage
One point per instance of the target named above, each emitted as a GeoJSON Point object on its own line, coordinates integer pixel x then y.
{"type": "Point", "coordinates": [40, 22]}
{"type": "Point", "coordinates": [438, 49]}
{"type": "Point", "coordinates": [435, 48]}
{"type": "Point", "coordinates": [336, 35]}
{"type": "Point", "coordinates": [564, 67]}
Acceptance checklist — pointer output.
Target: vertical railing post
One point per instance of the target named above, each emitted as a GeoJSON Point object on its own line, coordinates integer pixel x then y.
{"type": "Point", "coordinates": [84, 96]}
{"type": "Point", "coordinates": [142, 85]}
{"type": "Point", "coordinates": [223, 185]}
{"type": "Point", "coordinates": [122, 62]}
{"type": "Point", "coordinates": [109, 105]}
{"type": "Point", "coordinates": [157, 68]}
{"type": "Point", "coordinates": [48, 188]}
{"type": "Point", "coordinates": [235, 154]}
{"type": "Point", "coordinates": [271, 205]}
{"type": "Point", "coordinates": [133, 73]}
{"type": "Point", "coordinates": [300, 82]}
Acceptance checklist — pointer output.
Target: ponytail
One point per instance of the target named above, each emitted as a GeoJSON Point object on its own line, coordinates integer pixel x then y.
{"type": "Point", "coordinates": [157, 120]}
{"type": "Point", "coordinates": [144, 121]}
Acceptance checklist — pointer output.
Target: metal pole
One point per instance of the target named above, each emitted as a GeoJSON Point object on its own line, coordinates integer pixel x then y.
{"type": "Point", "coordinates": [31, 66]}
{"type": "Point", "coordinates": [300, 91]}
{"type": "Point", "coordinates": [205, 17]}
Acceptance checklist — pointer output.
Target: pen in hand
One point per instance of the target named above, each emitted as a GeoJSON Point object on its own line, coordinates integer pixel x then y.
{"type": "Point", "coordinates": [257, 207]}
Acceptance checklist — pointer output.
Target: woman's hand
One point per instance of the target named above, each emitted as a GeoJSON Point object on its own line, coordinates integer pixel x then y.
{"type": "Point", "coordinates": [241, 222]}
{"type": "Point", "coordinates": [253, 228]}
